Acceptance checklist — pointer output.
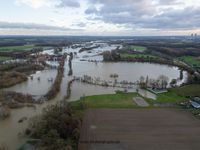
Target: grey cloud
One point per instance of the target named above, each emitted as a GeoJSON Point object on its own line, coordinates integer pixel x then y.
{"type": "Point", "coordinates": [91, 10]}
{"type": "Point", "coordinates": [68, 3]}
{"type": "Point", "coordinates": [169, 2]}
{"type": "Point", "coordinates": [144, 14]}
{"type": "Point", "coordinates": [81, 24]}
{"type": "Point", "coordinates": [9, 25]}
{"type": "Point", "coordinates": [175, 19]}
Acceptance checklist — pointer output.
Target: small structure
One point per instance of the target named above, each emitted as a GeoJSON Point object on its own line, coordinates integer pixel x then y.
{"type": "Point", "coordinates": [195, 102]}
{"type": "Point", "coordinates": [157, 91]}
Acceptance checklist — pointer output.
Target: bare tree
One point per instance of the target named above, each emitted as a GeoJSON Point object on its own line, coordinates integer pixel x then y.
{"type": "Point", "coordinates": [142, 82]}
{"type": "Point", "coordinates": [164, 81]}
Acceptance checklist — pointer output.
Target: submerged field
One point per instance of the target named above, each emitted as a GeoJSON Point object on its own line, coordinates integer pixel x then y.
{"type": "Point", "coordinates": [126, 71]}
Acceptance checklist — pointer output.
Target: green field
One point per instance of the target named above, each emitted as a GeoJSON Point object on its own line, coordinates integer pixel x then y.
{"type": "Point", "coordinates": [123, 100]}
{"type": "Point", "coordinates": [188, 90]}
{"type": "Point", "coordinates": [118, 100]}
{"type": "Point", "coordinates": [2, 58]}
{"type": "Point", "coordinates": [169, 97]}
{"type": "Point", "coordinates": [137, 56]}
{"type": "Point", "coordinates": [191, 60]}
{"type": "Point", "coordinates": [136, 48]}
{"type": "Point", "coordinates": [16, 48]}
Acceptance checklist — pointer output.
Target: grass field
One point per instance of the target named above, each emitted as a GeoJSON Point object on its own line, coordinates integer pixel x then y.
{"type": "Point", "coordinates": [169, 97]}
{"type": "Point", "coordinates": [2, 58]}
{"type": "Point", "coordinates": [136, 48]}
{"type": "Point", "coordinates": [118, 100]}
{"type": "Point", "coordinates": [191, 60]}
{"type": "Point", "coordinates": [188, 90]}
{"type": "Point", "coordinates": [17, 48]}
{"type": "Point", "coordinates": [136, 56]}
{"type": "Point", "coordinates": [125, 100]}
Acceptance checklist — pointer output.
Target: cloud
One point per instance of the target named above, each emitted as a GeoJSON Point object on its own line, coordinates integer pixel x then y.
{"type": "Point", "coordinates": [68, 3]}
{"type": "Point", "coordinates": [33, 3]}
{"type": "Point", "coordinates": [91, 10]}
{"type": "Point", "coordinates": [55, 3]}
{"type": "Point", "coordinates": [9, 25]}
{"type": "Point", "coordinates": [169, 2]}
{"type": "Point", "coordinates": [154, 14]}
{"type": "Point", "coordinates": [81, 24]}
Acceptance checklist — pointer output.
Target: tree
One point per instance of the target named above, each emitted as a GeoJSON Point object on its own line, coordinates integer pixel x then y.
{"type": "Point", "coordinates": [57, 127]}
{"type": "Point", "coordinates": [111, 56]}
{"type": "Point", "coordinates": [163, 81]}
{"type": "Point", "coordinates": [173, 82]}
{"type": "Point", "coordinates": [181, 74]}
{"type": "Point", "coordinates": [147, 81]}
{"type": "Point", "coordinates": [142, 82]}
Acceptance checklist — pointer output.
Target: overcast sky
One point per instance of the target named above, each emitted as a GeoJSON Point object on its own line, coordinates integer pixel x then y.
{"type": "Point", "coordinates": [99, 17]}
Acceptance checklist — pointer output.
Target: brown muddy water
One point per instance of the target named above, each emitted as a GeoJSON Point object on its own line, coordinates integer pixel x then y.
{"type": "Point", "coordinates": [11, 131]}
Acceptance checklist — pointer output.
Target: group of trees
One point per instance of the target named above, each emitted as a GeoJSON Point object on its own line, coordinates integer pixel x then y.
{"type": "Point", "coordinates": [15, 100]}
{"type": "Point", "coordinates": [70, 64]}
{"type": "Point", "coordinates": [193, 78]}
{"type": "Point", "coordinates": [8, 79]}
{"type": "Point", "coordinates": [160, 83]}
{"type": "Point", "coordinates": [57, 128]}
{"type": "Point", "coordinates": [55, 88]}
{"type": "Point", "coordinates": [88, 48]}
{"type": "Point", "coordinates": [14, 73]}
{"type": "Point", "coordinates": [191, 51]}
{"type": "Point", "coordinates": [111, 56]}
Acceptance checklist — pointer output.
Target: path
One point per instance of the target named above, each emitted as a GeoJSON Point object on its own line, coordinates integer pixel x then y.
{"type": "Point", "coordinates": [140, 101]}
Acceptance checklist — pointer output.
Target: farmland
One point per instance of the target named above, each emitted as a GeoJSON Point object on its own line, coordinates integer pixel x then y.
{"type": "Point", "coordinates": [16, 48]}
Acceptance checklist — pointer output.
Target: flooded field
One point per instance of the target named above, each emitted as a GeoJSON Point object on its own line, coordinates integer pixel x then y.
{"type": "Point", "coordinates": [126, 71]}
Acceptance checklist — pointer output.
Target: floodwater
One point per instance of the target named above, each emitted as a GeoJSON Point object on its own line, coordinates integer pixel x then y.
{"type": "Point", "coordinates": [11, 131]}
{"type": "Point", "coordinates": [34, 86]}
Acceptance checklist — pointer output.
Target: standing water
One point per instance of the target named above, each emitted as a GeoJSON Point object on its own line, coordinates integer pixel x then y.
{"type": "Point", "coordinates": [11, 131]}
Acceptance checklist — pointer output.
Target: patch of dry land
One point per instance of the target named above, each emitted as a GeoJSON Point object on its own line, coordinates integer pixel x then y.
{"type": "Point", "coordinates": [139, 129]}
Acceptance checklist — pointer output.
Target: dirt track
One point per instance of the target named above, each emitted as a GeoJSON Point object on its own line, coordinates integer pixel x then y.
{"type": "Point", "coordinates": [139, 129]}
